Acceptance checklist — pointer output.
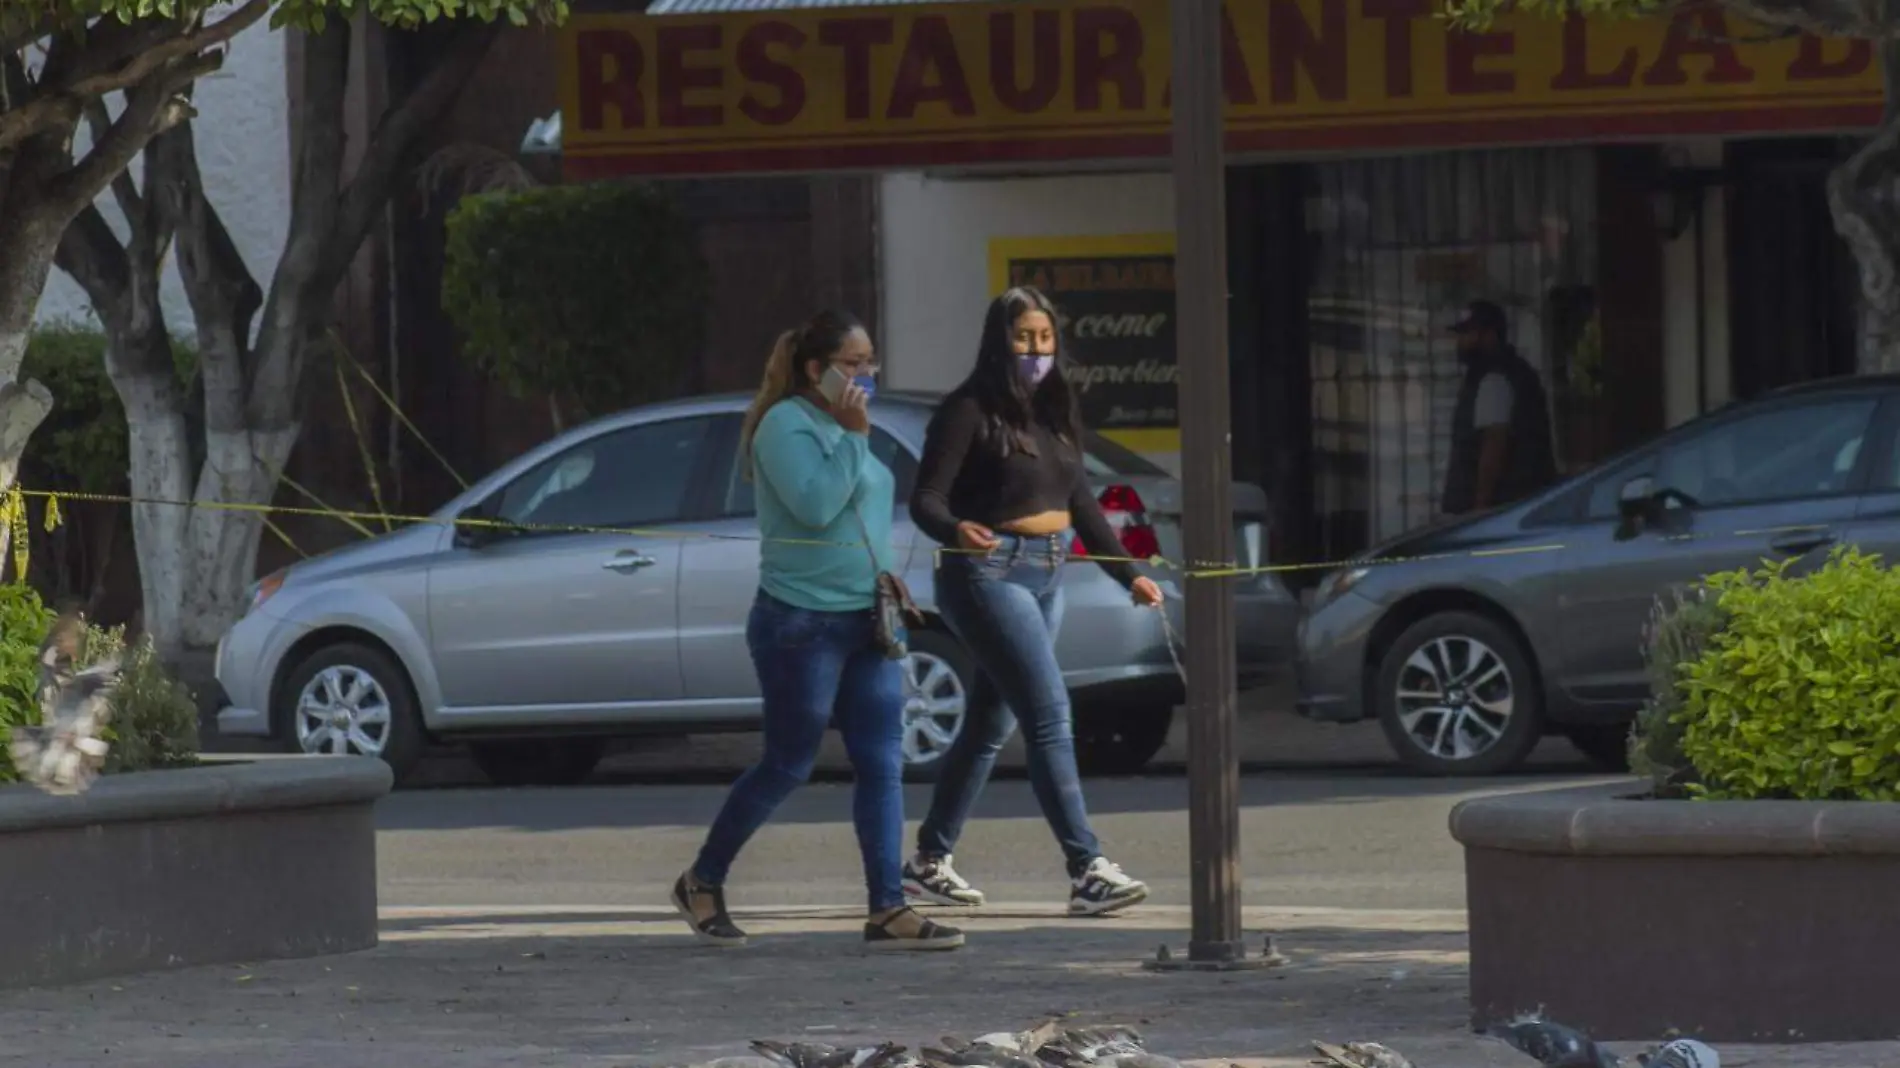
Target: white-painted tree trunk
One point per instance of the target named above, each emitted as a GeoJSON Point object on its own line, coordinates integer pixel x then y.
{"type": "Point", "coordinates": [23, 406]}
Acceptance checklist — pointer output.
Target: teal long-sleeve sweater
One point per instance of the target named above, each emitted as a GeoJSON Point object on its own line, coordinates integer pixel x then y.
{"type": "Point", "coordinates": [814, 481]}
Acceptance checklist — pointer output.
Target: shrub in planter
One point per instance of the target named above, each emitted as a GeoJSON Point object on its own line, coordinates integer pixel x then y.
{"type": "Point", "coordinates": [1678, 631]}
{"type": "Point", "coordinates": [154, 719]}
{"type": "Point", "coordinates": [24, 619]}
{"type": "Point", "coordinates": [1795, 692]}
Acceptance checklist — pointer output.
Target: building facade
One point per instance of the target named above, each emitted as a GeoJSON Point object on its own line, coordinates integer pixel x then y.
{"type": "Point", "coordinates": [1644, 197]}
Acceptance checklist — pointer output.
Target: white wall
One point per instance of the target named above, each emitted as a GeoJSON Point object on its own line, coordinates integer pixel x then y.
{"type": "Point", "coordinates": [934, 253]}
{"type": "Point", "coordinates": [243, 137]}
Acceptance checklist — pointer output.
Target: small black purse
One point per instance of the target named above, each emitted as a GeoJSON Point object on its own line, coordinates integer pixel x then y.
{"type": "Point", "coordinates": [893, 611]}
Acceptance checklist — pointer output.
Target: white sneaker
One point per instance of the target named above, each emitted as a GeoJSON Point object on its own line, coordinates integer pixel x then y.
{"type": "Point", "coordinates": [935, 881]}
{"type": "Point", "coordinates": [1104, 888]}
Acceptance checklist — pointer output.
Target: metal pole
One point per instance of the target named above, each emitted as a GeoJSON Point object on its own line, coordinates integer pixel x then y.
{"type": "Point", "coordinates": [1200, 214]}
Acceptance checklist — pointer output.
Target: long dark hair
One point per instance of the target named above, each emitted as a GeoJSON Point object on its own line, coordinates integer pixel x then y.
{"type": "Point", "coordinates": [1009, 402]}
{"type": "Point", "coordinates": [819, 339]}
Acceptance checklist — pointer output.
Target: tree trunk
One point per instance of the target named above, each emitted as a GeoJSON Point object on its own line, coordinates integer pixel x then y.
{"type": "Point", "coordinates": [1864, 196]}
{"type": "Point", "coordinates": [30, 226]}
{"type": "Point", "coordinates": [160, 450]}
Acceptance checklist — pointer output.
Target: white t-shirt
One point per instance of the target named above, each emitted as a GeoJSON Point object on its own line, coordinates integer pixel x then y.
{"type": "Point", "coordinates": [1493, 405]}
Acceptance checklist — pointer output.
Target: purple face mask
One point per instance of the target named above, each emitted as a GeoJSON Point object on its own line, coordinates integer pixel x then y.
{"type": "Point", "coordinates": [1035, 366]}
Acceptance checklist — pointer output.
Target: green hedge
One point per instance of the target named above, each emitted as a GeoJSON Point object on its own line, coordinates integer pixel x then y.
{"type": "Point", "coordinates": [1785, 686]}
{"type": "Point", "coordinates": [595, 293]}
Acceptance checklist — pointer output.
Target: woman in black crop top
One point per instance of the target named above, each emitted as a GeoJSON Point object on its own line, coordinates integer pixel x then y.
{"type": "Point", "coordinates": [1002, 484]}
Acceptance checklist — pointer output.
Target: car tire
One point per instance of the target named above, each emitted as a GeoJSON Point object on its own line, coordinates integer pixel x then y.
{"type": "Point", "coordinates": [941, 676]}
{"type": "Point", "coordinates": [538, 761]}
{"type": "Point", "coordinates": [1426, 682]}
{"type": "Point", "coordinates": [370, 690]}
{"type": "Point", "coordinates": [1605, 745]}
{"type": "Point", "coordinates": [1120, 739]}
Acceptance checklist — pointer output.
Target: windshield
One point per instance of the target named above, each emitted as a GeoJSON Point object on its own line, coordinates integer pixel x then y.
{"type": "Point", "coordinates": [1105, 457]}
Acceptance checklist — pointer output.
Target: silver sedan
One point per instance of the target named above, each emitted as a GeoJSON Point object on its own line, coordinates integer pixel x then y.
{"type": "Point", "coordinates": [539, 646]}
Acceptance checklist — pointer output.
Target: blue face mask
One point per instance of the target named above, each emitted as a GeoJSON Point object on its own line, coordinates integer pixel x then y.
{"type": "Point", "coordinates": [1035, 366]}
{"type": "Point", "coordinates": [867, 383]}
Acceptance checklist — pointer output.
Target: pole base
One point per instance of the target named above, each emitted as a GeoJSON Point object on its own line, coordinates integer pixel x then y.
{"type": "Point", "coordinates": [1216, 957]}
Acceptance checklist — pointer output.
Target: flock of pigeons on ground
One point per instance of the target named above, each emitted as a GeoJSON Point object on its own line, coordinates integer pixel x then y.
{"type": "Point", "coordinates": [1050, 1045]}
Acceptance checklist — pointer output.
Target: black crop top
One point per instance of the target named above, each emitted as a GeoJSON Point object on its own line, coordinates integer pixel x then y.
{"type": "Point", "coordinates": [964, 477]}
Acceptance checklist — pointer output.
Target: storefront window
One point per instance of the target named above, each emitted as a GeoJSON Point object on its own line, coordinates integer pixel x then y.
{"type": "Point", "coordinates": [1398, 247]}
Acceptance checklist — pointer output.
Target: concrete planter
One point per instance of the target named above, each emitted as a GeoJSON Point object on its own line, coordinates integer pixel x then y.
{"type": "Point", "coordinates": [160, 869]}
{"type": "Point", "coordinates": [1736, 921]}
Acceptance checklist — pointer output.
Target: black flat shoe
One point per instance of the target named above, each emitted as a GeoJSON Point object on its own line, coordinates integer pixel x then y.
{"type": "Point", "coordinates": [715, 930]}
{"type": "Point", "coordinates": [929, 935]}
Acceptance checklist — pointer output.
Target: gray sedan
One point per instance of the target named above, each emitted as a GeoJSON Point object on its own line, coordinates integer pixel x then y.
{"type": "Point", "coordinates": [1472, 640]}
{"type": "Point", "coordinates": [538, 647]}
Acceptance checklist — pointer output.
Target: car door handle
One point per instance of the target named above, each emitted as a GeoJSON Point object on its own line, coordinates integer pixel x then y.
{"type": "Point", "coordinates": [1801, 541]}
{"type": "Point", "coordinates": [631, 560]}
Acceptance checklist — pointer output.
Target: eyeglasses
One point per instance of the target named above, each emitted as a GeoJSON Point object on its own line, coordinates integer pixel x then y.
{"type": "Point", "coordinates": [872, 369]}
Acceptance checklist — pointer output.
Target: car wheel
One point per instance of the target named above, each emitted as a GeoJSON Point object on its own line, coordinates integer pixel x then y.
{"type": "Point", "coordinates": [351, 699]}
{"type": "Point", "coordinates": [1457, 696]}
{"type": "Point", "coordinates": [939, 678]}
{"type": "Point", "coordinates": [1120, 739]}
{"type": "Point", "coordinates": [538, 761]}
{"type": "Point", "coordinates": [1606, 745]}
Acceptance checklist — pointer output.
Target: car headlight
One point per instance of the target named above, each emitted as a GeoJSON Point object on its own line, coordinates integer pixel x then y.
{"type": "Point", "coordinates": [1337, 584]}
{"type": "Point", "coordinates": [264, 588]}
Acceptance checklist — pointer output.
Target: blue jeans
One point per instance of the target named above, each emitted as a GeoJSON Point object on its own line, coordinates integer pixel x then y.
{"type": "Point", "coordinates": [1006, 609]}
{"type": "Point", "coordinates": [811, 666]}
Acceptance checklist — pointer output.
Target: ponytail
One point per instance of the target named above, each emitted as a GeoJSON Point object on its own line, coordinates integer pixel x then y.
{"type": "Point", "coordinates": [785, 369]}
{"type": "Point", "coordinates": [774, 387]}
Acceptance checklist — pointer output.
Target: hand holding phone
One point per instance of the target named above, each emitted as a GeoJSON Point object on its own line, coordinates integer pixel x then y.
{"type": "Point", "coordinates": [849, 404]}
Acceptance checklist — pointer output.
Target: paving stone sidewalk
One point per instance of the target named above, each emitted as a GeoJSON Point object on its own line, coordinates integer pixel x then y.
{"type": "Point", "coordinates": [473, 988]}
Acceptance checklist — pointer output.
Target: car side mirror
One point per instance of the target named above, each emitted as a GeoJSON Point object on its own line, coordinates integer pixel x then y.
{"type": "Point", "coordinates": [474, 528]}
{"type": "Point", "coordinates": [1638, 499]}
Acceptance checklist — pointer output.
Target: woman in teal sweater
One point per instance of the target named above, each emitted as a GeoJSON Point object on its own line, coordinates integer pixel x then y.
{"type": "Point", "coordinates": [824, 504]}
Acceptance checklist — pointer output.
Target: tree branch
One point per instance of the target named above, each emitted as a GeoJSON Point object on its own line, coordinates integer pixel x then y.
{"type": "Point", "coordinates": [392, 146]}
{"type": "Point", "coordinates": [150, 109]}
{"type": "Point", "coordinates": [90, 253]}
{"type": "Point", "coordinates": [224, 296]}
{"type": "Point", "coordinates": [124, 189]}
{"type": "Point", "coordinates": [58, 98]}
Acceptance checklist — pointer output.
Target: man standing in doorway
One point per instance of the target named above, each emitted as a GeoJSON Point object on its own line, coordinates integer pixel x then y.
{"type": "Point", "coordinates": [1501, 449]}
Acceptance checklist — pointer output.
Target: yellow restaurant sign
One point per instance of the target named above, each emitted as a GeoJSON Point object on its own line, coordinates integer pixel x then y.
{"type": "Point", "coordinates": [1013, 82]}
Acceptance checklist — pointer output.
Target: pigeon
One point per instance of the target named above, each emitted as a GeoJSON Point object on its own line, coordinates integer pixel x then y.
{"type": "Point", "coordinates": [1362, 1055]}
{"type": "Point", "coordinates": [980, 1055]}
{"type": "Point", "coordinates": [823, 1055]}
{"type": "Point", "coordinates": [1681, 1053]}
{"type": "Point", "coordinates": [1552, 1044]}
{"type": "Point", "coordinates": [737, 1062]}
{"type": "Point", "coordinates": [1091, 1045]}
{"type": "Point", "coordinates": [64, 753]}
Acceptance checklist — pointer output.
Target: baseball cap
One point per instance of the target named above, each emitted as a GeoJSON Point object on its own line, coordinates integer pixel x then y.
{"type": "Point", "coordinates": [1482, 315]}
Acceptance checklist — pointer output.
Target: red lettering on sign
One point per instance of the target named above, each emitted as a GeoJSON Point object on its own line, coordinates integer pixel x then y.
{"type": "Point", "coordinates": [1811, 62]}
{"type": "Point", "coordinates": [930, 71]}
{"type": "Point", "coordinates": [1398, 16]}
{"type": "Point", "coordinates": [1293, 43]}
{"type": "Point", "coordinates": [1118, 64]}
{"type": "Point", "coordinates": [1576, 72]}
{"type": "Point", "coordinates": [676, 77]}
{"type": "Point", "coordinates": [1699, 31]}
{"type": "Point", "coordinates": [1236, 79]}
{"type": "Point", "coordinates": [855, 37]}
{"type": "Point", "coordinates": [1045, 60]}
{"type": "Point", "coordinates": [757, 65]}
{"type": "Point", "coordinates": [600, 87]}
{"type": "Point", "coordinates": [1462, 52]}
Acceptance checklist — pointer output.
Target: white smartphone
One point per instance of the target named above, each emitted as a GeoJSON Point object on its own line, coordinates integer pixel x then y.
{"type": "Point", "coordinates": [832, 385]}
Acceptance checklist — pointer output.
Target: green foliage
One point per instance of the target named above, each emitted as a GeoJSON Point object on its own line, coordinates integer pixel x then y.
{"type": "Point", "coordinates": [23, 624]}
{"type": "Point", "coordinates": [1478, 15]}
{"type": "Point", "coordinates": [1680, 626]}
{"type": "Point", "coordinates": [154, 719]}
{"type": "Point", "coordinates": [17, 15]}
{"type": "Point", "coordinates": [595, 291]}
{"type": "Point", "coordinates": [1797, 694]}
